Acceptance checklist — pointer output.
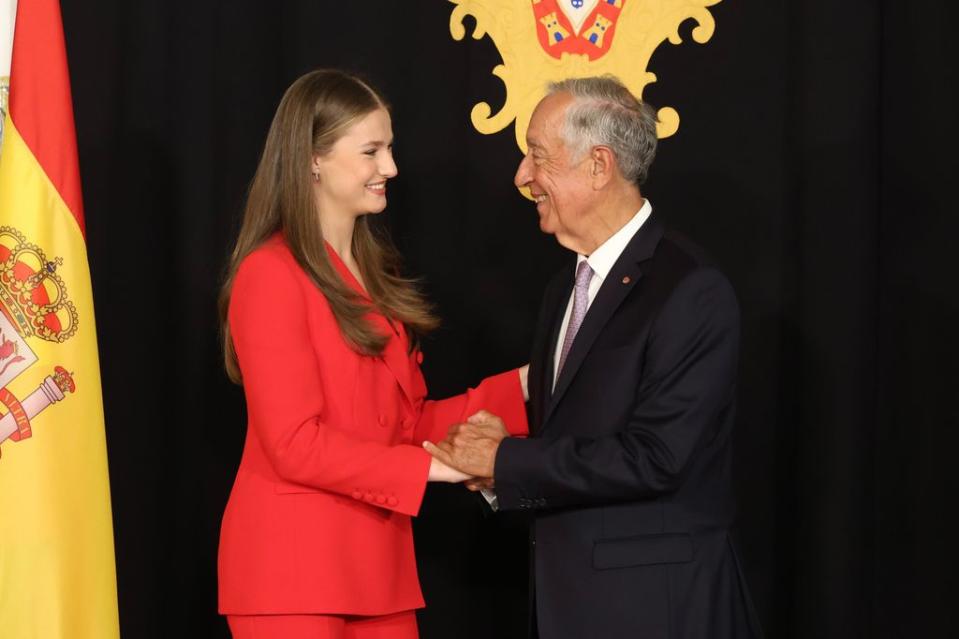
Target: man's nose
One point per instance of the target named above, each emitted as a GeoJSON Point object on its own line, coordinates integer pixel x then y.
{"type": "Point", "coordinates": [523, 174]}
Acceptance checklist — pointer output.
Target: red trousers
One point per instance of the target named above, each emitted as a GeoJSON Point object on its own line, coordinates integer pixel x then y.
{"type": "Point", "coordinates": [401, 625]}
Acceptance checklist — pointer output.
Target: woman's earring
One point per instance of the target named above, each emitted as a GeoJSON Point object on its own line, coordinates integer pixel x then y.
{"type": "Point", "coordinates": [316, 176]}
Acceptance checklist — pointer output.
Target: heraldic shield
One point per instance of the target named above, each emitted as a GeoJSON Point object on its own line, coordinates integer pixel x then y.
{"type": "Point", "coordinates": [33, 305]}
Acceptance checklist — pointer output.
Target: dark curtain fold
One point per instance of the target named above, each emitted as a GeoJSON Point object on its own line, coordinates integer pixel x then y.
{"type": "Point", "coordinates": [814, 160]}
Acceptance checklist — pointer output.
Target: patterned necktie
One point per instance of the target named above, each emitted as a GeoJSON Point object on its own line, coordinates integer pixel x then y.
{"type": "Point", "coordinates": [580, 301]}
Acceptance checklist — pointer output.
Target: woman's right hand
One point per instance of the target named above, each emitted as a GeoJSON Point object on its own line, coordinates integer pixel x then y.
{"type": "Point", "coordinates": [441, 472]}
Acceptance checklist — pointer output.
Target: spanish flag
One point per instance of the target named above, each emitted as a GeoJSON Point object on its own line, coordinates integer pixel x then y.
{"type": "Point", "coordinates": [57, 575]}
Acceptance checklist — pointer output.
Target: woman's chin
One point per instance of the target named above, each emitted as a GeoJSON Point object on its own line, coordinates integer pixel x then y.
{"type": "Point", "coordinates": [378, 205]}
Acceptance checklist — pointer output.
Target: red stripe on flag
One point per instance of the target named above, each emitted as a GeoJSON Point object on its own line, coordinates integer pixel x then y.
{"type": "Point", "coordinates": [40, 103]}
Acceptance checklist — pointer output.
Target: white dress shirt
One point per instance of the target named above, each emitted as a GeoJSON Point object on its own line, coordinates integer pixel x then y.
{"type": "Point", "coordinates": [601, 261]}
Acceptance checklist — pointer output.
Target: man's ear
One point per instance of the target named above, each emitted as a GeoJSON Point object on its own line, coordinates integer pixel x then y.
{"type": "Point", "coordinates": [602, 166]}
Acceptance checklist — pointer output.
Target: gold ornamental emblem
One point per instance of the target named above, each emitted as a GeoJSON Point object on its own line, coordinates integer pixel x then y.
{"type": "Point", "coordinates": [549, 40]}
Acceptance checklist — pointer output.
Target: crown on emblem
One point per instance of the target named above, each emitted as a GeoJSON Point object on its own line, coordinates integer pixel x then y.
{"type": "Point", "coordinates": [32, 295]}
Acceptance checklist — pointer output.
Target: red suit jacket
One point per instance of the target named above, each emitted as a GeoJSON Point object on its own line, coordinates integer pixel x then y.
{"type": "Point", "coordinates": [318, 520]}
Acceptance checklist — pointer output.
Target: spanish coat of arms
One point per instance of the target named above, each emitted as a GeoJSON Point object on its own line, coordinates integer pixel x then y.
{"type": "Point", "coordinates": [33, 305]}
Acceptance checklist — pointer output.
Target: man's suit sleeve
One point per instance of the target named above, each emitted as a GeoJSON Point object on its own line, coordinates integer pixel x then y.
{"type": "Point", "coordinates": [688, 379]}
{"type": "Point", "coordinates": [286, 397]}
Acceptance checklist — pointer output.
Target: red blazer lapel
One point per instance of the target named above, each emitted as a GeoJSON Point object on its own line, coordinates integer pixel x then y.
{"type": "Point", "coordinates": [396, 353]}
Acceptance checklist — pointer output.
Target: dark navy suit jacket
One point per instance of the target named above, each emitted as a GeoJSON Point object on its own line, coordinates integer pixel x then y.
{"type": "Point", "coordinates": [628, 466]}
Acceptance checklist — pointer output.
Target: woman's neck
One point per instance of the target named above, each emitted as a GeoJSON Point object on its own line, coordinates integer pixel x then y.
{"type": "Point", "coordinates": [339, 234]}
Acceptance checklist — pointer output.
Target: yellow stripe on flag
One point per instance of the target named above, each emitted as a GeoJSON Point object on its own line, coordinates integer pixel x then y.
{"type": "Point", "coordinates": [57, 575]}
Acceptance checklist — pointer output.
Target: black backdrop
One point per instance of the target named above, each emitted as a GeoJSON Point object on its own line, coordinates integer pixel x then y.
{"type": "Point", "coordinates": [814, 160]}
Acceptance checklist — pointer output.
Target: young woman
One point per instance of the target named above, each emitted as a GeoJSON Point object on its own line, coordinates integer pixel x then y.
{"type": "Point", "coordinates": [319, 329]}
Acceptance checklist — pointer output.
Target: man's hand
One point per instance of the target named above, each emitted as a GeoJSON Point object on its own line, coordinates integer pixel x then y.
{"type": "Point", "coordinates": [471, 447]}
{"type": "Point", "coordinates": [478, 484]}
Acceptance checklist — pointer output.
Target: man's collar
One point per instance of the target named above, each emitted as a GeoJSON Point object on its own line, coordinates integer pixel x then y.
{"type": "Point", "coordinates": [602, 259]}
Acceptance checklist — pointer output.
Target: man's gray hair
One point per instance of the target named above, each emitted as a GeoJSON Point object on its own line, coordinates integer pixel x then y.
{"type": "Point", "coordinates": [604, 112]}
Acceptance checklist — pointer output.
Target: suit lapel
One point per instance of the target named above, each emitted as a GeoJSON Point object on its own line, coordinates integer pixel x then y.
{"type": "Point", "coordinates": [541, 368]}
{"type": "Point", "coordinates": [622, 278]}
{"type": "Point", "coordinates": [396, 353]}
{"type": "Point", "coordinates": [559, 312]}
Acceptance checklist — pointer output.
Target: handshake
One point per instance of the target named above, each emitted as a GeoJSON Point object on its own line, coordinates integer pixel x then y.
{"type": "Point", "coordinates": [469, 451]}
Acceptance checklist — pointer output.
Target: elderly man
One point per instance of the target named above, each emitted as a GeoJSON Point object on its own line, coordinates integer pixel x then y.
{"type": "Point", "coordinates": [632, 387]}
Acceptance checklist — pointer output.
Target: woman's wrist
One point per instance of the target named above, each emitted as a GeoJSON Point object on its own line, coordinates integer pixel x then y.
{"type": "Point", "coordinates": [441, 472]}
{"type": "Point", "coordinates": [524, 381]}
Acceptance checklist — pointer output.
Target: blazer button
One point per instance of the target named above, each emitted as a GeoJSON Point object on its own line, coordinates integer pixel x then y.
{"type": "Point", "coordinates": [357, 494]}
{"type": "Point", "coordinates": [368, 496]}
{"type": "Point", "coordinates": [380, 499]}
{"type": "Point", "coordinates": [382, 420]}
{"type": "Point", "coordinates": [419, 357]}
{"type": "Point", "coordinates": [392, 501]}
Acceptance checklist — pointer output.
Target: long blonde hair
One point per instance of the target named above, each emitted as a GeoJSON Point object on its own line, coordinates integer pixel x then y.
{"type": "Point", "coordinates": [314, 113]}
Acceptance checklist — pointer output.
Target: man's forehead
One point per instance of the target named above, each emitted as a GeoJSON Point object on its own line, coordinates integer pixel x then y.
{"type": "Point", "coordinates": [553, 104]}
{"type": "Point", "coordinates": [546, 118]}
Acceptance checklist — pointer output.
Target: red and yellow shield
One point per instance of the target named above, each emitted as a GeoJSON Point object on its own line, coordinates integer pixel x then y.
{"type": "Point", "coordinates": [584, 27]}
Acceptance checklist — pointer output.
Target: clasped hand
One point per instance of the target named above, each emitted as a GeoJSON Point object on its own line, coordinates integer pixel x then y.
{"type": "Point", "coordinates": [470, 449]}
